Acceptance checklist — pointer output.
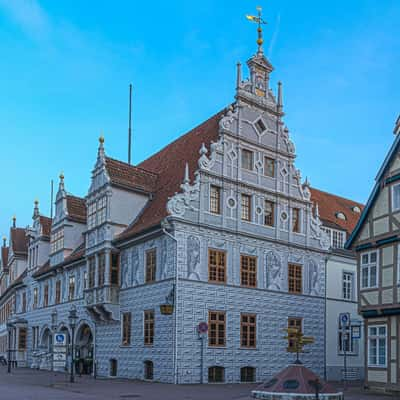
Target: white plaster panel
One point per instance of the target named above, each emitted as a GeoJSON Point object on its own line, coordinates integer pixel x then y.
{"type": "Point", "coordinates": [377, 376]}
{"type": "Point", "coordinates": [387, 296]}
{"type": "Point", "coordinates": [381, 226]}
{"type": "Point", "coordinates": [371, 297]}
{"type": "Point", "coordinates": [382, 204]}
{"type": "Point", "coordinates": [387, 276]}
{"type": "Point", "coordinates": [387, 255]}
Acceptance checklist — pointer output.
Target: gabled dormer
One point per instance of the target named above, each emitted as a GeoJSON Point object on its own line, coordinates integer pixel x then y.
{"type": "Point", "coordinates": [39, 239]}
{"type": "Point", "coordinates": [117, 195]}
{"type": "Point", "coordinates": [18, 251]}
{"type": "Point", "coordinates": [68, 224]}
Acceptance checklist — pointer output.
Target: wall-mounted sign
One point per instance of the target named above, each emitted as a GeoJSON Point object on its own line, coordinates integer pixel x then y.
{"type": "Point", "coordinates": [356, 332]}
{"type": "Point", "coordinates": [60, 339]}
{"type": "Point", "coordinates": [344, 320]}
{"type": "Point", "coordinates": [202, 328]}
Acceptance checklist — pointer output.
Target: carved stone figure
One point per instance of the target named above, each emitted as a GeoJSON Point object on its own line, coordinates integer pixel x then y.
{"type": "Point", "coordinates": [274, 271]}
{"type": "Point", "coordinates": [313, 279]}
{"type": "Point", "coordinates": [124, 271]}
{"type": "Point", "coordinates": [135, 266]}
{"type": "Point", "coordinates": [164, 260]}
{"type": "Point", "coordinates": [193, 257]}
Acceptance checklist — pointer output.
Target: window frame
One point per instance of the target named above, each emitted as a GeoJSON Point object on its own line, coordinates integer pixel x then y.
{"type": "Point", "coordinates": [126, 328]}
{"type": "Point", "coordinates": [46, 295]}
{"type": "Point", "coordinates": [214, 325]}
{"type": "Point", "coordinates": [266, 159]}
{"type": "Point", "coordinates": [393, 187]}
{"type": "Point", "coordinates": [377, 337]}
{"type": "Point", "coordinates": [350, 283]}
{"type": "Point", "coordinates": [57, 297]}
{"type": "Point", "coordinates": [367, 266]}
{"type": "Point", "coordinates": [148, 327]}
{"type": "Point", "coordinates": [215, 201]}
{"type": "Point", "coordinates": [297, 279]}
{"type": "Point", "coordinates": [248, 272]}
{"type": "Point", "coordinates": [249, 153]}
{"type": "Point", "coordinates": [246, 342]}
{"type": "Point", "coordinates": [218, 269]}
{"type": "Point", "coordinates": [71, 287]}
{"type": "Point", "coordinates": [272, 217]}
{"type": "Point", "coordinates": [151, 265]}
{"type": "Point", "coordinates": [352, 345]}
{"type": "Point", "coordinates": [213, 371]}
{"type": "Point", "coordinates": [248, 207]}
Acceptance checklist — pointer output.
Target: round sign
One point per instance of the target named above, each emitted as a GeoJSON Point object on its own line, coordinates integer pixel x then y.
{"type": "Point", "coordinates": [203, 327]}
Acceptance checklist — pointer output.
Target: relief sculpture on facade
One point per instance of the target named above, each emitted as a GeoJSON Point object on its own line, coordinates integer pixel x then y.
{"type": "Point", "coordinates": [193, 257]}
{"type": "Point", "coordinates": [314, 284]}
{"type": "Point", "coordinates": [274, 271]}
{"type": "Point", "coordinates": [135, 267]}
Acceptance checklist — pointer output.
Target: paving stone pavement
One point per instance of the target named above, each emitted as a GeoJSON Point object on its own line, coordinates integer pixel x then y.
{"type": "Point", "coordinates": [27, 384]}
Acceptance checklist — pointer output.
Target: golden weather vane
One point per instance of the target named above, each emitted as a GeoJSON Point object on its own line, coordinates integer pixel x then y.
{"type": "Point", "coordinates": [296, 341]}
{"type": "Point", "coordinates": [260, 21]}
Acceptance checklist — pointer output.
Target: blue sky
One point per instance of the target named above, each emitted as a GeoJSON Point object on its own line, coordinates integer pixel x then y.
{"type": "Point", "coordinates": [66, 66]}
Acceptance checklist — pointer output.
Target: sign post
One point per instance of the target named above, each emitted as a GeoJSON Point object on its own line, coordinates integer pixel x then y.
{"type": "Point", "coordinates": [202, 330]}
{"type": "Point", "coordinates": [344, 324]}
{"type": "Point", "coordinates": [59, 351]}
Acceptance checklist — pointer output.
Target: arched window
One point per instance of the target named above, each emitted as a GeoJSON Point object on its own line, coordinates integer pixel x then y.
{"type": "Point", "coordinates": [148, 370]}
{"type": "Point", "coordinates": [247, 374]}
{"type": "Point", "coordinates": [216, 374]}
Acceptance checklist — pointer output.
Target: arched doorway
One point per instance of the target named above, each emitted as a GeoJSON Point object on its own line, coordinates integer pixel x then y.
{"type": "Point", "coordinates": [46, 341]}
{"type": "Point", "coordinates": [84, 350]}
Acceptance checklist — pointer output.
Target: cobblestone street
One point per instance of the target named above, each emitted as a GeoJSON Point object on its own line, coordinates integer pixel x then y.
{"type": "Point", "coordinates": [27, 384]}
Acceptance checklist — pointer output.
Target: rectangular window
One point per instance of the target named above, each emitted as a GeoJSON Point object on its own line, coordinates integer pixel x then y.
{"type": "Point", "coordinates": [91, 218]}
{"type": "Point", "coordinates": [114, 272]}
{"type": "Point", "coordinates": [338, 239]}
{"type": "Point", "coordinates": [396, 197]}
{"type": "Point", "coordinates": [369, 275]}
{"type": "Point", "coordinates": [269, 213]}
{"type": "Point", "coordinates": [85, 279]}
{"type": "Point", "coordinates": [247, 159]}
{"type": "Point", "coordinates": [377, 346]}
{"type": "Point", "coordinates": [58, 292]}
{"type": "Point", "coordinates": [71, 287]}
{"type": "Point", "coordinates": [46, 296]}
{"type": "Point", "coordinates": [269, 167]}
{"type": "Point", "coordinates": [248, 330]}
{"type": "Point", "coordinates": [296, 220]}
{"type": "Point", "coordinates": [126, 328]}
{"type": "Point", "coordinates": [57, 242]}
{"type": "Point", "coordinates": [216, 328]}
{"type": "Point", "coordinates": [246, 207]}
{"type": "Point", "coordinates": [35, 298]}
{"type": "Point", "coordinates": [92, 272]}
{"type": "Point", "coordinates": [294, 323]}
{"type": "Point", "coordinates": [101, 210]}
{"type": "Point", "coordinates": [151, 265]}
{"type": "Point", "coordinates": [248, 271]}
{"type": "Point", "coordinates": [22, 339]}
{"type": "Point", "coordinates": [347, 285]}
{"type": "Point", "coordinates": [295, 278]}
{"type": "Point", "coordinates": [215, 199]}
{"type": "Point", "coordinates": [24, 302]}
{"type": "Point", "coordinates": [102, 268]}
{"type": "Point", "coordinates": [149, 327]}
{"type": "Point", "coordinates": [216, 266]}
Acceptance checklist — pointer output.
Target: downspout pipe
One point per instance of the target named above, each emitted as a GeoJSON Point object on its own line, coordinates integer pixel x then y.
{"type": "Point", "coordinates": [164, 226]}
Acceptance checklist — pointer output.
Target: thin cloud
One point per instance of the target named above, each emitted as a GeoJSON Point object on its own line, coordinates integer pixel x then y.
{"type": "Point", "coordinates": [29, 15]}
{"type": "Point", "coordinates": [274, 35]}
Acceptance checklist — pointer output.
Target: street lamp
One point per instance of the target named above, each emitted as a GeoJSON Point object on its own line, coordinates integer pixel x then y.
{"type": "Point", "coordinates": [9, 328]}
{"type": "Point", "coordinates": [72, 318]}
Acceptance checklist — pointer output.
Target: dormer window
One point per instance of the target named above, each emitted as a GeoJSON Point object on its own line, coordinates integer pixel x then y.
{"type": "Point", "coordinates": [356, 209]}
{"type": "Point", "coordinates": [57, 240]}
{"type": "Point", "coordinates": [341, 216]}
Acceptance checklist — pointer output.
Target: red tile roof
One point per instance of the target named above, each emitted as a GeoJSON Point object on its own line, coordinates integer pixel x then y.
{"type": "Point", "coordinates": [169, 165]}
{"type": "Point", "coordinates": [330, 205]}
{"type": "Point", "coordinates": [76, 208]}
{"type": "Point", "coordinates": [45, 222]}
{"type": "Point", "coordinates": [130, 177]}
{"type": "Point", "coordinates": [19, 241]}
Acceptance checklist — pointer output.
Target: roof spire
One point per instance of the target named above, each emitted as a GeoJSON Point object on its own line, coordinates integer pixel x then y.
{"type": "Point", "coordinates": [14, 219]}
{"type": "Point", "coordinates": [186, 180]}
{"type": "Point", "coordinates": [4, 241]}
{"type": "Point", "coordinates": [36, 209]}
{"type": "Point", "coordinates": [238, 75]}
{"type": "Point", "coordinates": [258, 20]}
{"type": "Point", "coordinates": [280, 102]}
{"type": "Point", "coordinates": [61, 184]}
{"type": "Point", "coordinates": [101, 154]}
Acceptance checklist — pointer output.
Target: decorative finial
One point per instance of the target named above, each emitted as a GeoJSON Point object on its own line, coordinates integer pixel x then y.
{"type": "Point", "coordinates": [238, 75]}
{"type": "Point", "coordinates": [4, 241]}
{"type": "Point", "coordinates": [258, 20]}
{"type": "Point", "coordinates": [186, 180]}
{"type": "Point", "coordinates": [101, 139]}
{"type": "Point", "coordinates": [280, 102]}
{"type": "Point", "coordinates": [61, 176]}
{"type": "Point", "coordinates": [36, 202]}
{"type": "Point", "coordinates": [36, 209]}
{"type": "Point", "coordinates": [14, 219]}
